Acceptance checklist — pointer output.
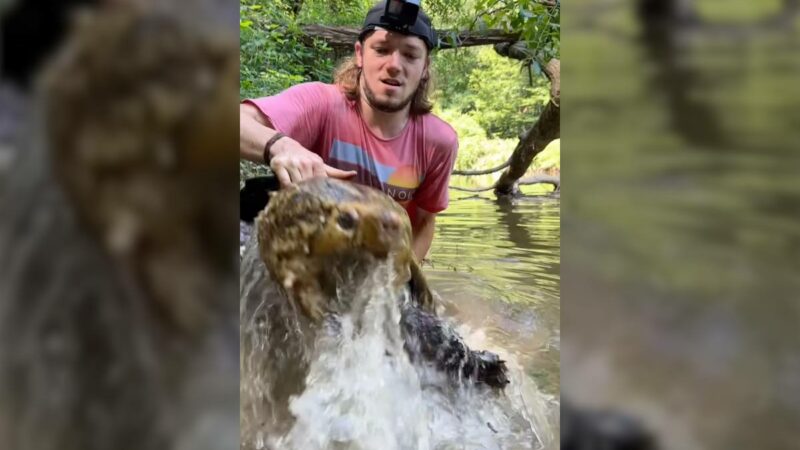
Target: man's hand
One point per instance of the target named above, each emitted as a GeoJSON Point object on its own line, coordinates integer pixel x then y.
{"type": "Point", "coordinates": [290, 161]}
{"type": "Point", "coordinates": [293, 163]}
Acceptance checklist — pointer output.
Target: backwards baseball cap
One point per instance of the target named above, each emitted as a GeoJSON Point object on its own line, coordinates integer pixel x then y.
{"type": "Point", "coordinates": [404, 17]}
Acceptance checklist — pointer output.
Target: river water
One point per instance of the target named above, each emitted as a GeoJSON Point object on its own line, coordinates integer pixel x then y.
{"type": "Point", "coordinates": [495, 267]}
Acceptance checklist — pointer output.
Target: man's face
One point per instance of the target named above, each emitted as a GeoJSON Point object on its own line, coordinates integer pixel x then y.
{"type": "Point", "coordinates": [392, 66]}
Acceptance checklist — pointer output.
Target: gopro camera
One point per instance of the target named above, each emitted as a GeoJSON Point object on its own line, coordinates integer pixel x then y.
{"type": "Point", "coordinates": [404, 16]}
{"type": "Point", "coordinates": [401, 13]}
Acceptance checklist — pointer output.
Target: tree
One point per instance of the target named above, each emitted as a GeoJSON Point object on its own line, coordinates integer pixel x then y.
{"type": "Point", "coordinates": [538, 26]}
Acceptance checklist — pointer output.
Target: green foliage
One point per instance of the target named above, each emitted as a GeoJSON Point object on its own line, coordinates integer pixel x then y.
{"type": "Point", "coordinates": [538, 24]}
{"type": "Point", "coordinates": [549, 158]}
{"type": "Point", "coordinates": [506, 103]}
{"type": "Point", "coordinates": [335, 12]}
{"type": "Point", "coordinates": [475, 149]}
{"type": "Point", "coordinates": [272, 54]}
{"type": "Point", "coordinates": [490, 88]}
{"type": "Point", "coordinates": [450, 14]}
{"type": "Point", "coordinates": [452, 70]}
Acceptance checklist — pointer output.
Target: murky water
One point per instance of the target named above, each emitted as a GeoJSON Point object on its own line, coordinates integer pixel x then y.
{"type": "Point", "coordinates": [351, 386]}
{"type": "Point", "coordinates": [496, 266]}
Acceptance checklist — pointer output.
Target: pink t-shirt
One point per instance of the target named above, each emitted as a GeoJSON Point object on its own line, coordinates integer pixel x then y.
{"type": "Point", "coordinates": [413, 168]}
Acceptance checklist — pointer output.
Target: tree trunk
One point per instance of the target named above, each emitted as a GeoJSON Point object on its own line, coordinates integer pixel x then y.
{"type": "Point", "coordinates": [533, 141]}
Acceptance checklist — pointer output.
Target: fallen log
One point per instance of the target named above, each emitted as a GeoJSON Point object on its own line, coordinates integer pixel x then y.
{"type": "Point", "coordinates": [344, 37]}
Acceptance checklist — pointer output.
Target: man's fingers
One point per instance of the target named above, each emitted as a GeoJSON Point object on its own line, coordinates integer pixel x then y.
{"type": "Point", "coordinates": [341, 174]}
{"type": "Point", "coordinates": [283, 177]}
{"type": "Point", "coordinates": [294, 172]}
{"type": "Point", "coordinates": [319, 170]}
{"type": "Point", "coordinates": [307, 171]}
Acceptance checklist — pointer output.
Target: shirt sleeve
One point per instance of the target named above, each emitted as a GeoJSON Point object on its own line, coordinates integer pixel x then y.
{"type": "Point", "coordinates": [433, 194]}
{"type": "Point", "coordinates": [298, 112]}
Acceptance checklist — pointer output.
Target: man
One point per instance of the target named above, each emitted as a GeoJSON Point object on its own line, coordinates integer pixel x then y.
{"type": "Point", "coordinates": [373, 126]}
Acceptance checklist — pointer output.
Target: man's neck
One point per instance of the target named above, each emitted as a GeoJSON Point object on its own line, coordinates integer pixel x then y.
{"type": "Point", "coordinates": [382, 124]}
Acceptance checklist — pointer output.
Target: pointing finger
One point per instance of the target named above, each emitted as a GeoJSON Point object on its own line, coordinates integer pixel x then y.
{"type": "Point", "coordinates": [341, 174]}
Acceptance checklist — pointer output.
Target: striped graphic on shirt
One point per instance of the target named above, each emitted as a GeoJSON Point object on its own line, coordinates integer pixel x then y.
{"type": "Point", "coordinates": [399, 182]}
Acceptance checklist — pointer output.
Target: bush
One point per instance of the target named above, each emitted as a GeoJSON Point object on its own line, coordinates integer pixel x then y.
{"type": "Point", "coordinates": [272, 54]}
{"type": "Point", "coordinates": [505, 103]}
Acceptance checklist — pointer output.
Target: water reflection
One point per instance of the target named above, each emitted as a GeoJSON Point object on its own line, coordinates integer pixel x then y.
{"type": "Point", "coordinates": [511, 247]}
{"type": "Point", "coordinates": [496, 266]}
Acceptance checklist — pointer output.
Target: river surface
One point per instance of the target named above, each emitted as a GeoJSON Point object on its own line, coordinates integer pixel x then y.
{"type": "Point", "coordinates": [496, 266]}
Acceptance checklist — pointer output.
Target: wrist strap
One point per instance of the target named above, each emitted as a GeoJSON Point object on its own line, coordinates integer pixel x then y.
{"type": "Point", "coordinates": [268, 146]}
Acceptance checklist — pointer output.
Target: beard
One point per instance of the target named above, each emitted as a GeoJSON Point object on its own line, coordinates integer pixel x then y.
{"type": "Point", "coordinates": [387, 106]}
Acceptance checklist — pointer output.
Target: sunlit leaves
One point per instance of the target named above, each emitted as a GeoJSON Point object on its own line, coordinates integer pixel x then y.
{"type": "Point", "coordinates": [537, 22]}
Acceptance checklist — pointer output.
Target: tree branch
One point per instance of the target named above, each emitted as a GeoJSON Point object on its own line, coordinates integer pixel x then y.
{"type": "Point", "coordinates": [514, 50]}
{"type": "Point", "coordinates": [466, 189]}
{"type": "Point", "coordinates": [546, 129]}
{"type": "Point", "coordinates": [344, 37]}
{"type": "Point", "coordinates": [537, 179]}
{"type": "Point", "coordinates": [546, 179]}
{"type": "Point", "coordinates": [482, 172]}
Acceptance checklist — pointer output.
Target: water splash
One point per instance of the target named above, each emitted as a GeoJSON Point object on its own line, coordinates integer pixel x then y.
{"type": "Point", "coordinates": [349, 383]}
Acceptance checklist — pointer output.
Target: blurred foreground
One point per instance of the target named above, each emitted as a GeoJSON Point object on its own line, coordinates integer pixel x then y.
{"type": "Point", "coordinates": [118, 311]}
{"type": "Point", "coordinates": [680, 208]}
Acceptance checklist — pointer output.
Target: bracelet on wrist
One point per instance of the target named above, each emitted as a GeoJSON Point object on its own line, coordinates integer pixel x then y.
{"type": "Point", "coordinates": [270, 142]}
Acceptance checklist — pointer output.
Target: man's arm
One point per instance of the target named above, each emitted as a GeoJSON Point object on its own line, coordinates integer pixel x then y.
{"type": "Point", "coordinates": [432, 194]}
{"type": "Point", "coordinates": [290, 161]}
{"type": "Point", "coordinates": [255, 130]}
{"type": "Point", "coordinates": [423, 233]}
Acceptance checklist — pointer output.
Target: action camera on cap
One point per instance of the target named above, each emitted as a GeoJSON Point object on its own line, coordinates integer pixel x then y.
{"type": "Point", "coordinates": [403, 16]}
{"type": "Point", "coordinates": [401, 13]}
